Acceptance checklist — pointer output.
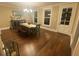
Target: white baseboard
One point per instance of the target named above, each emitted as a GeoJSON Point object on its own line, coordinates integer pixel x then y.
{"type": "Point", "coordinates": [4, 28]}
{"type": "Point", "coordinates": [48, 29]}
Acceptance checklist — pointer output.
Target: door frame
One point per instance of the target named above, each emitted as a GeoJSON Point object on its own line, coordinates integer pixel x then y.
{"type": "Point", "coordinates": [69, 5]}
{"type": "Point", "coordinates": [44, 17]}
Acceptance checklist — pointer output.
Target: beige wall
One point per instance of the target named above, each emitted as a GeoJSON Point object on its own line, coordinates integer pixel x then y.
{"type": "Point", "coordinates": [55, 11]}
{"type": "Point", "coordinates": [5, 13]}
{"type": "Point", "coordinates": [4, 17]}
{"type": "Point", "coordinates": [40, 12]}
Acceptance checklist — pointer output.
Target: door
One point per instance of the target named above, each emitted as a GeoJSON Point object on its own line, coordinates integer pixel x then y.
{"type": "Point", "coordinates": [66, 18]}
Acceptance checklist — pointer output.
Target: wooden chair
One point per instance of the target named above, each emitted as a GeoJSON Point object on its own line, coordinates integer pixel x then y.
{"type": "Point", "coordinates": [14, 24]}
{"type": "Point", "coordinates": [11, 48]}
{"type": "Point", "coordinates": [36, 30]}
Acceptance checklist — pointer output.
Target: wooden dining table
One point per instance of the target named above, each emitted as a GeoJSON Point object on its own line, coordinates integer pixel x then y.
{"type": "Point", "coordinates": [26, 27]}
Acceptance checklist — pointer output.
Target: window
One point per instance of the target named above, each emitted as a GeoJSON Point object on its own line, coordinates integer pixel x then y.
{"type": "Point", "coordinates": [66, 14]}
{"type": "Point", "coordinates": [35, 16]}
{"type": "Point", "coordinates": [47, 17]}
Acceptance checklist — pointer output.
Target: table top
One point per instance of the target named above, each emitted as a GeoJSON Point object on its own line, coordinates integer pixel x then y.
{"type": "Point", "coordinates": [28, 25]}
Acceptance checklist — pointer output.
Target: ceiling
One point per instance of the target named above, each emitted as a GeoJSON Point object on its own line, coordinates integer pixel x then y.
{"type": "Point", "coordinates": [27, 4]}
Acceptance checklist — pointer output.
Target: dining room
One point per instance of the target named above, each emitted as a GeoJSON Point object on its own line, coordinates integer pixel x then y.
{"type": "Point", "coordinates": [38, 28]}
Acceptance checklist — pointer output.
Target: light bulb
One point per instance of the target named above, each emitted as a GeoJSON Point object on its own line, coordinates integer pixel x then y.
{"type": "Point", "coordinates": [31, 10]}
{"type": "Point", "coordinates": [25, 10]}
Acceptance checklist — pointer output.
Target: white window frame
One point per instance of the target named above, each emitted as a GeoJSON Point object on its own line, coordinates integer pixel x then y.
{"type": "Point", "coordinates": [47, 17]}
{"type": "Point", "coordinates": [65, 20]}
{"type": "Point", "coordinates": [35, 17]}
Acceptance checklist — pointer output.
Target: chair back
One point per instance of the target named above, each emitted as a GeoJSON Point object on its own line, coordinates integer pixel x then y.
{"type": "Point", "coordinates": [14, 24]}
{"type": "Point", "coordinates": [38, 27]}
{"type": "Point", "coordinates": [11, 48]}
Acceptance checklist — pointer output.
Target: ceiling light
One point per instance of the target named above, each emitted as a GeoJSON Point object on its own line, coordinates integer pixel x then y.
{"type": "Point", "coordinates": [25, 10]}
{"type": "Point", "coordinates": [31, 10]}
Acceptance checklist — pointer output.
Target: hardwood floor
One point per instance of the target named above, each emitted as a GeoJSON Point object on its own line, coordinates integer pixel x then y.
{"type": "Point", "coordinates": [47, 44]}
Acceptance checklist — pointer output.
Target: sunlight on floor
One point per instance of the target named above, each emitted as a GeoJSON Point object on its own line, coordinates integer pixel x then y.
{"type": "Point", "coordinates": [2, 52]}
{"type": "Point", "coordinates": [30, 49]}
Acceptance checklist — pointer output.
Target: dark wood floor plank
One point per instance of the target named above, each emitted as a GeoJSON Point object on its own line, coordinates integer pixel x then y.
{"type": "Point", "coordinates": [48, 43]}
